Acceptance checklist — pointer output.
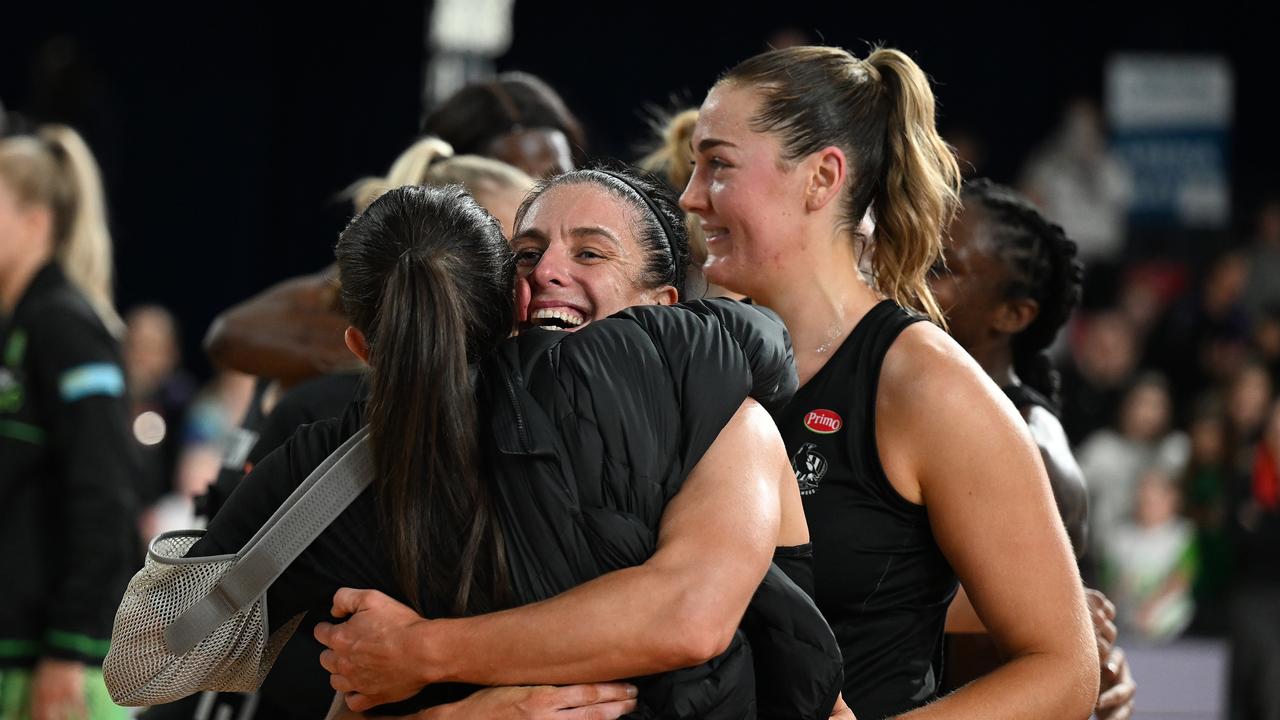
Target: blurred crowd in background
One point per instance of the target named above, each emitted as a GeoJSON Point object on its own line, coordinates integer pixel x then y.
{"type": "Point", "coordinates": [1171, 368]}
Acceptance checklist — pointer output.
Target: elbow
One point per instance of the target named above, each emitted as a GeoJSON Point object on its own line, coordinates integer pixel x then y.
{"type": "Point", "coordinates": [1084, 694]}
{"type": "Point", "coordinates": [1082, 685]}
{"type": "Point", "coordinates": [216, 343]}
{"type": "Point", "coordinates": [698, 630]}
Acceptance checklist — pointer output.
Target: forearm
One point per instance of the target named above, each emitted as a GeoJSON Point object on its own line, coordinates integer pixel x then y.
{"type": "Point", "coordinates": [289, 332]}
{"type": "Point", "coordinates": [289, 348]}
{"type": "Point", "coordinates": [627, 623]}
{"type": "Point", "coordinates": [1044, 685]}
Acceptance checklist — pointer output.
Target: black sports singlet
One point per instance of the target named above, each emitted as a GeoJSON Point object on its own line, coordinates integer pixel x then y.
{"type": "Point", "coordinates": [881, 581]}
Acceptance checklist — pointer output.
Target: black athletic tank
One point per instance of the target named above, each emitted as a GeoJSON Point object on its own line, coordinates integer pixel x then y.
{"type": "Point", "coordinates": [881, 581]}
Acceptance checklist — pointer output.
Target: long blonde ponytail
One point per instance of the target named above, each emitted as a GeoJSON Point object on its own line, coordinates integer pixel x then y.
{"type": "Point", "coordinates": [56, 169]}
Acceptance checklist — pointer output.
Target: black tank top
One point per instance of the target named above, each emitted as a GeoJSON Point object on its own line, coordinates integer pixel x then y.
{"type": "Point", "coordinates": [881, 580]}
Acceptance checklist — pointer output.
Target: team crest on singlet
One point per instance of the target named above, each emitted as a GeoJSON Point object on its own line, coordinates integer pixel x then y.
{"type": "Point", "coordinates": [809, 467]}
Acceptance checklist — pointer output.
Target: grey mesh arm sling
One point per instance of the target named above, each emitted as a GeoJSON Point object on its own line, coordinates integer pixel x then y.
{"type": "Point", "coordinates": [192, 624]}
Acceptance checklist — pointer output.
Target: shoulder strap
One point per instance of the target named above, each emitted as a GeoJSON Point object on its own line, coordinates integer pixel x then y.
{"type": "Point", "coordinates": [326, 492]}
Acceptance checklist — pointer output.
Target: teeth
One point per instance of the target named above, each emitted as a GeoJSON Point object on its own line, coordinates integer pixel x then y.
{"type": "Point", "coordinates": [564, 315]}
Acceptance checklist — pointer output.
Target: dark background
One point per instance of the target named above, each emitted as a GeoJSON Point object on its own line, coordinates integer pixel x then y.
{"type": "Point", "coordinates": [227, 130]}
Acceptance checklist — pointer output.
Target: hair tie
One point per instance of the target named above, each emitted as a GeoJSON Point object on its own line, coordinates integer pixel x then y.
{"type": "Point", "coordinates": [653, 208]}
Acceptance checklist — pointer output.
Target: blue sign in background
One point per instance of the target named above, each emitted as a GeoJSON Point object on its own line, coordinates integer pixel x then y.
{"type": "Point", "coordinates": [1180, 176]}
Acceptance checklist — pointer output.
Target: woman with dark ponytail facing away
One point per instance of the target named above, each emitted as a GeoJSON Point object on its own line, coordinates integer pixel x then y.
{"type": "Point", "coordinates": [914, 467]}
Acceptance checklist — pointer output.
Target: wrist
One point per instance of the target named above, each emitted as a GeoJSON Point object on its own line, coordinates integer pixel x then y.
{"type": "Point", "coordinates": [434, 651]}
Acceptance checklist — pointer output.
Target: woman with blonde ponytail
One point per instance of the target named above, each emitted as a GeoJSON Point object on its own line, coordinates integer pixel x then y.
{"type": "Point", "coordinates": [67, 508]}
{"type": "Point", "coordinates": [914, 468]}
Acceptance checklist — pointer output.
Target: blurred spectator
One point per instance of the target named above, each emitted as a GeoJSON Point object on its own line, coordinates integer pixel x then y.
{"type": "Point", "coordinates": [1105, 355]}
{"type": "Point", "coordinates": [1263, 289]}
{"type": "Point", "coordinates": [1080, 185]}
{"type": "Point", "coordinates": [159, 393]}
{"type": "Point", "coordinates": [516, 118]}
{"type": "Point", "coordinates": [1255, 608]}
{"type": "Point", "coordinates": [1149, 562]}
{"type": "Point", "coordinates": [1205, 337]}
{"type": "Point", "coordinates": [1248, 400]}
{"type": "Point", "coordinates": [1207, 486]}
{"type": "Point", "coordinates": [1114, 459]}
{"type": "Point", "coordinates": [208, 427]}
{"type": "Point", "coordinates": [1266, 338]}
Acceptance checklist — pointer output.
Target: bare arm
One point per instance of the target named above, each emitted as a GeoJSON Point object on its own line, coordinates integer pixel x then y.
{"type": "Point", "coordinates": [950, 439]}
{"type": "Point", "coordinates": [289, 332]}
{"type": "Point", "coordinates": [678, 609]}
{"type": "Point", "coordinates": [604, 701]}
{"type": "Point", "coordinates": [1066, 480]}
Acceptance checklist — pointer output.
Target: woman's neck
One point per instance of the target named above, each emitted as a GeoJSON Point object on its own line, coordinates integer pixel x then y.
{"type": "Point", "coordinates": [996, 359]}
{"type": "Point", "coordinates": [16, 276]}
{"type": "Point", "coordinates": [822, 310]}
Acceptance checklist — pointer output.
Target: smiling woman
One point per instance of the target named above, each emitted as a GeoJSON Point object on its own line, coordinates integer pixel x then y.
{"type": "Point", "coordinates": [592, 242]}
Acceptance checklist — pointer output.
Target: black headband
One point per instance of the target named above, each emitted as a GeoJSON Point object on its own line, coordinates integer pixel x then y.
{"type": "Point", "coordinates": [653, 209]}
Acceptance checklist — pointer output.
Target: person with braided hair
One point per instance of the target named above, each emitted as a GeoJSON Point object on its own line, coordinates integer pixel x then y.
{"type": "Point", "coordinates": [1009, 282]}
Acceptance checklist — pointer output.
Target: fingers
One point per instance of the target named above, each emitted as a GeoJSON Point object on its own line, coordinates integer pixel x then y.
{"type": "Point", "coordinates": [341, 683]}
{"type": "Point", "coordinates": [573, 696]}
{"type": "Point", "coordinates": [602, 711]}
{"type": "Point", "coordinates": [1105, 632]}
{"type": "Point", "coordinates": [1121, 694]}
{"type": "Point", "coordinates": [1098, 601]}
{"type": "Point", "coordinates": [330, 661]}
{"type": "Point", "coordinates": [1118, 688]}
{"type": "Point", "coordinates": [1117, 666]}
{"type": "Point", "coordinates": [1122, 712]}
{"type": "Point", "coordinates": [346, 601]}
{"type": "Point", "coordinates": [359, 702]}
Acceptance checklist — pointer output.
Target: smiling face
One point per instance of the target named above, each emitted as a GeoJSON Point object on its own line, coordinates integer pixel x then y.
{"type": "Point", "coordinates": [748, 198]}
{"type": "Point", "coordinates": [578, 259]}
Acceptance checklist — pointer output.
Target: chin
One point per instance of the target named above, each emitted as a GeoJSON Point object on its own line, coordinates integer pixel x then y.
{"type": "Point", "coordinates": [721, 271]}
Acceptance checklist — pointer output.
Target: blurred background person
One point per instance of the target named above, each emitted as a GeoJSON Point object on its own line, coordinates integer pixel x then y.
{"type": "Point", "coordinates": [1113, 459]}
{"type": "Point", "coordinates": [1255, 622]}
{"type": "Point", "coordinates": [1149, 562]}
{"type": "Point", "coordinates": [516, 118]}
{"type": "Point", "coordinates": [160, 392]}
{"type": "Point", "coordinates": [1081, 185]}
{"type": "Point", "coordinates": [68, 467]}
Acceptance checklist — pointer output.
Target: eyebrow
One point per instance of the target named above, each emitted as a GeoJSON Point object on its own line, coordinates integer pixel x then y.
{"type": "Point", "coordinates": [534, 233]}
{"type": "Point", "coordinates": [593, 230]}
{"type": "Point", "coordinates": [707, 143]}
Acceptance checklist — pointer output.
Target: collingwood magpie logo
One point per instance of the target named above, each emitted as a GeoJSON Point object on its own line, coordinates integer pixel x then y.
{"type": "Point", "coordinates": [809, 467]}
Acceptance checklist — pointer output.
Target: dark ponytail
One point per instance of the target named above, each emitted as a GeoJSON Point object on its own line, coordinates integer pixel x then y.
{"type": "Point", "coordinates": [1042, 266]}
{"type": "Point", "coordinates": [425, 275]}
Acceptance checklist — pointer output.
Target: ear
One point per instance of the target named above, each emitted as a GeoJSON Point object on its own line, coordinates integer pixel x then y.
{"type": "Point", "coordinates": [665, 295]}
{"type": "Point", "coordinates": [37, 221]}
{"type": "Point", "coordinates": [826, 169]}
{"type": "Point", "coordinates": [357, 344]}
{"type": "Point", "coordinates": [1014, 316]}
